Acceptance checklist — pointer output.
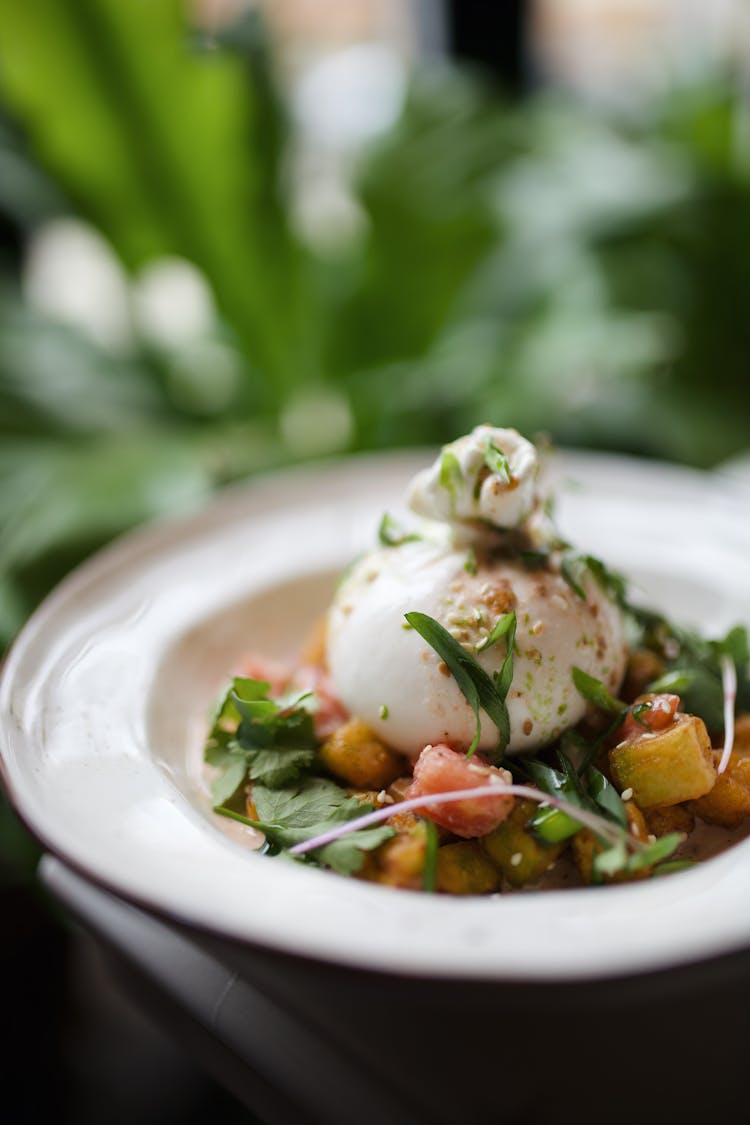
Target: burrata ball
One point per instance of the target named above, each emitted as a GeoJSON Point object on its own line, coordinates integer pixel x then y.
{"type": "Point", "coordinates": [388, 676]}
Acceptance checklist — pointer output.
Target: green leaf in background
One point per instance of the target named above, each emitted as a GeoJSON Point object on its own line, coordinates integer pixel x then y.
{"type": "Point", "coordinates": [150, 139]}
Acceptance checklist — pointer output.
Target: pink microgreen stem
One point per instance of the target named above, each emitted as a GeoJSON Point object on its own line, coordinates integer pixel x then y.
{"type": "Point", "coordinates": [603, 828]}
{"type": "Point", "coordinates": [729, 682]}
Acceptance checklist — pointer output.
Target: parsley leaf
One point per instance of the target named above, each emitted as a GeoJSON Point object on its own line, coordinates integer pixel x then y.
{"type": "Point", "coordinates": [258, 738]}
{"type": "Point", "coordinates": [309, 808]}
{"type": "Point", "coordinates": [274, 769]}
{"type": "Point", "coordinates": [232, 762]}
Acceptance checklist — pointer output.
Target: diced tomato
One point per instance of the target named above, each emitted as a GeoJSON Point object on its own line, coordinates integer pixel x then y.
{"type": "Point", "coordinates": [273, 672]}
{"type": "Point", "coordinates": [652, 712]}
{"type": "Point", "coordinates": [330, 712]}
{"type": "Point", "coordinates": [439, 769]}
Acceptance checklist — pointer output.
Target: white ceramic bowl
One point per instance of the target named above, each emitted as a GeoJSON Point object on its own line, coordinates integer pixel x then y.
{"type": "Point", "coordinates": [105, 695]}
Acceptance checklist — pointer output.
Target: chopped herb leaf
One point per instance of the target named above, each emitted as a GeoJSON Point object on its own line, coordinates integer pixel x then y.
{"type": "Point", "coordinates": [391, 534]}
{"type": "Point", "coordinates": [676, 682]}
{"type": "Point", "coordinates": [606, 796]}
{"type": "Point", "coordinates": [259, 739]}
{"type": "Point", "coordinates": [640, 709]}
{"type": "Point", "coordinates": [470, 566]}
{"type": "Point", "coordinates": [429, 878]}
{"type": "Point", "coordinates": [595, 692]}
{"type": "Point", "coordinates": [610, 861]}
{"type": "Point", "coordinates": [232, 761]}
{"type": "Point", "coordinates": [497, 462]}
{"type": "Point", "coordinates": [672, 866]}
{"type": "Point", "coordinates": [552, 825]}
{"type": "Point", "coordinates": [504, 678]}
{"type": "Point", "coordinates": [616, 859]}
{"type": "Point", "coordinates": [274, 768]}
{"type": "Point", "coordinates": [503, 625]}
{"type": "Point", "coordinates": [383, 711]}
{"type": "Point", "coordinates": [479, 689]}
{"type": "Point", "coordinates": [653, 853]}
{"type": "Point", "coordinates": [571, 568]}
{"type": "Point", "coordinates": [535, 560]}
{"type": "Point", "coordinates": [612, 583]}
{"type": "Point", "coordinates": [451, 476]}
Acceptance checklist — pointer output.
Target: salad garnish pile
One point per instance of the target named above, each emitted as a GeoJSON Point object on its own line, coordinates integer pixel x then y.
{"type": "Point", "coordinates": [485, 709]}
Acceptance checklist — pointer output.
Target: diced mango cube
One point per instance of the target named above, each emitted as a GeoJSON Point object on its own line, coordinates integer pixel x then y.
{"type": "Point", "coordinates": [728, 803]}
{"type": "Point", "coordinates": [464, 869]}
{"type": "Point", "coordinates": [665, 767]}
{"type": "Point", "coordinates": [355, 754]}
{"type": "Point", "coordinates": [514, 849]}
{"type": "Point", "coordinates": [399, 862]}
{"type": "Point", "coordinates": [673, 818]}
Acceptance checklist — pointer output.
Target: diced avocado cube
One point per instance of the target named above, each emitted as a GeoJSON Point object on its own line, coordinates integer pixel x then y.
{"type": "Point", "coordinates": [665, 767]}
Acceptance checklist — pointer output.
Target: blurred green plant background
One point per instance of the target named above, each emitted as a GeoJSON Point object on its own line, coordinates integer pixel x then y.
{"type": "Point", "coordinates": [548, 264]}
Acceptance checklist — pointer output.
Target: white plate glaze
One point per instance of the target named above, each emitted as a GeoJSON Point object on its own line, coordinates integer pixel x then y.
{"type": "Point", "coordinates": [105, 695]}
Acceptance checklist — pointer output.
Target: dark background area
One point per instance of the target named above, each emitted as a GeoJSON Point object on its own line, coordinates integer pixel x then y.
{"type": "Point", "coordinates": [504, 247]}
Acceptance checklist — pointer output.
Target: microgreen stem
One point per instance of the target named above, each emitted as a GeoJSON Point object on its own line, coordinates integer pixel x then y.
{"type": "Point", "coordinates": [605, 829]}
{"type": "Point", "coordinates": [729, 683]}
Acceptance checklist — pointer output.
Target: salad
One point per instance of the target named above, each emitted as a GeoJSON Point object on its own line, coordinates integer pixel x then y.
{"type": "Point", "coordinates": [485, 709]}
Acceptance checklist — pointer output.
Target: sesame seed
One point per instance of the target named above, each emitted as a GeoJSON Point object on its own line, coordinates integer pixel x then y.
{"type": "Point", "coordinates": [627, 794]}
{"type": "Point", "coordinates": [651, 839]}
{"type": "Point", "coordinates": [515, 859]}
{"type": "Point", "coordinates": [385, 798]}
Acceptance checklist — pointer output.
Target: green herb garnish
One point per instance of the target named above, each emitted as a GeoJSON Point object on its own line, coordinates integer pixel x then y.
{"type": "Point", "coordinates": [429, 877]}
{"type": "Point", "coordinates": [310, 808]}
{"type": "Point", "coordinates": [571, 568]}
{"type": "Point", "coordinates": [383, 712]}
{"type": "Point", "coordinates": [451, 476]}
{"type": "Point", "coordinates": [614, 860]}
{"type": "Point", "coordinates": [595, 692]}
{"type": "Point", "coordinates": [480, 690]}
{"type": "Point", "coordinates": [258, 739]}
{"type": "Point", "coordinates": [391, 534]}
{"type": "Point", "coordinates": [497, 462]}
{"type": "Point", "coordinates": [470, 566]}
